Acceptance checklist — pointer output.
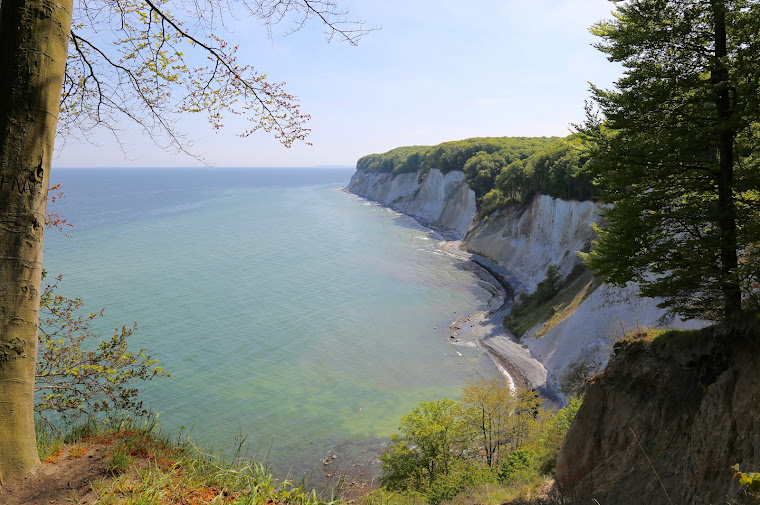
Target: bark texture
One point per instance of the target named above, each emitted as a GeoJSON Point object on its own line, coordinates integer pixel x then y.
{"type": "Point", "coordinates": [729, 258]}
{"type": "Point", "coordinates": [33, 45]}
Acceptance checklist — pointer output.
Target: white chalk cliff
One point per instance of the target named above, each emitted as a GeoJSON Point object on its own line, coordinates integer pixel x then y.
{"type": "Point", "coordinates": [442, 201]}
{"type": "Point", "coordinates": [526, 242]}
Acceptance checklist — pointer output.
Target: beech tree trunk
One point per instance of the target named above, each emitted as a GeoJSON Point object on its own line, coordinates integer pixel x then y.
{"type": "Point", "coordinates": [34, 38]}
{"type": "Point", "coordinates": [729, 260]}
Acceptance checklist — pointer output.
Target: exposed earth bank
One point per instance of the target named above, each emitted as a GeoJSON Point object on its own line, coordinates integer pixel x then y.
{"type": "Point", "coordinates": [667, 419]}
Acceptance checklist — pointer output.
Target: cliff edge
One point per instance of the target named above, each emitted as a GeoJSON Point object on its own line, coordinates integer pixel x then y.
{"type": "Point", "coordinates": [667, 419]}
{"type": "Point", "coordinates": [525, 241]}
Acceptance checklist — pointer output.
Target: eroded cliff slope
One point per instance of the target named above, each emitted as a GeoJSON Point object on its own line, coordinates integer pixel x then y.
{"type": "Point", "coordinates": [526, 241]}
{"type": "Point", "coordinates": [550, 231]}
{"type": "Point", "coordinates": [667, 418]}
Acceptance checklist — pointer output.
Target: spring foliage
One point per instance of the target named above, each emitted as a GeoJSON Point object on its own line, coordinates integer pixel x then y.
{"type": "Point", "coordinates": [150, 62]}
{"type": "Point", "coordinates": [674, 147]}
{"type": "Point", "coordinates": [77, 373]}
{"type": "Point", "coordinates": [491, 435]}
{"type": "Point", "coordinates": [431, 436]}
{"type": "Point", "coordinates": [501, 170]}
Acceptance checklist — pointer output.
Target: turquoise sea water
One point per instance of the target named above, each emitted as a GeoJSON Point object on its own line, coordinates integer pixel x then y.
{"type": "Point", "coordinates": [286, 309]}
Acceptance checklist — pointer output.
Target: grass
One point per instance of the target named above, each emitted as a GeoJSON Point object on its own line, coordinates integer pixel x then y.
{"type": "Point", "coordinates": [195, 478]}
{"type": "Point", "coordinates": [144, 467]}
{"type": "Point", "coordinates": [482, 494]}
{"type": "Point", "coordinates": [496, 494]}
{"type": "Point", "coordinates": [565, 309]}
{"type": "Point", "coordinates": [119, 461]}
{"type": "Point", "coordinates": [533, 309]}
{"type": "Point", "coordinates": [49, 445]}
{"type": "Point", "coordinates": [141, 466]}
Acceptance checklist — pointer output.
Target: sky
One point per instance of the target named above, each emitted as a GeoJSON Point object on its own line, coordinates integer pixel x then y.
{"type": "Point", "coordinates": [436, 70]}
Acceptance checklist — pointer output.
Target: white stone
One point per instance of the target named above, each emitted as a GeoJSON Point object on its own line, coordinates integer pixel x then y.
{"type": "Point", "coordinates": [526, 242]}
{"type": "Point", "coordinates": [441, 201]}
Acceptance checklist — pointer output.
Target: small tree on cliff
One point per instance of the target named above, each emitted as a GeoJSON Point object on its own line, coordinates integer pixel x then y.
{"type": "Point", "coordinates": [432, 435]}
{"type": "Point", "coordinates": [127, 59]}
{"type": "Point", "coordinates": [676, 149]}
{"type": "Point", "coordinates": [80, 374]}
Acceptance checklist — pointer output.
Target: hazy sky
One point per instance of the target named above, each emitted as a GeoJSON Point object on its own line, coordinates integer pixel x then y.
{"type": "Point", "coordinates": [436, 71]}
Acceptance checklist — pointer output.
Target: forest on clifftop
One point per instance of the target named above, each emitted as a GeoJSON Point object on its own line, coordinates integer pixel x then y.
{"type": "Point", "coordinates": [501, 170]}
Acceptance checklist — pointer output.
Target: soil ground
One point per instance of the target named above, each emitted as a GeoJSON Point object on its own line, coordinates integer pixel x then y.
{"type": "Point", "coordinates": [61, 479]}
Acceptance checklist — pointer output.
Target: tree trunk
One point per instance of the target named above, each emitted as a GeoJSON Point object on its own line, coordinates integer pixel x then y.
{"type": "Point", "coordinates": [34, 38]}
{"type": "Point", "coordinates": [732, 301]}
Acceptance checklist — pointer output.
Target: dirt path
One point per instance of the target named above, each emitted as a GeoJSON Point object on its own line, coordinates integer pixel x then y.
{"type": "Point", "coordinates": [63, 479]}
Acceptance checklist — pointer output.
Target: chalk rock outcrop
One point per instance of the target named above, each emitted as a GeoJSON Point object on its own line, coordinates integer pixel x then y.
{"type": "Point", "coordinates": [443, 201]}
{"type": "Point", "coordinates": [526, 241]}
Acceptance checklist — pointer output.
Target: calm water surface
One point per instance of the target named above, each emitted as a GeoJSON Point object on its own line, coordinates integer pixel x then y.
{"type": "Point", "coordinates": [285, 309]}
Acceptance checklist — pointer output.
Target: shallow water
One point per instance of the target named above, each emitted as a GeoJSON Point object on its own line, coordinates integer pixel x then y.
{"type": "Point", "coordinates": [286, 309]}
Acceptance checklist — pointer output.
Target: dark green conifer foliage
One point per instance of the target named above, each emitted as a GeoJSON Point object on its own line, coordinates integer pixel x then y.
{"type": "Point", "coordinates": [675, 148]}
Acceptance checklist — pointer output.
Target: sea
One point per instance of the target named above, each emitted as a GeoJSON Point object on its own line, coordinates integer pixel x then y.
{"type": "Point", "coordinates": [292, 315]}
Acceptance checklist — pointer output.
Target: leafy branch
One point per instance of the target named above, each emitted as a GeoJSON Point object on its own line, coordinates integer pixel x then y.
{"type": "Point", "coordinates": [148, 61]}
{"type": "Point", "coordinates": [77, 373]}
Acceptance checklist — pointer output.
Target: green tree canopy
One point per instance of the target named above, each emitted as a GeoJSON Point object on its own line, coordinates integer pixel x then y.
{"type": "Point", "coordinates": [78, 373]}
{"type": "Point", "coordinates": [498, 418]}
{"type": "Point", "coordinates": [492, 434]}
{"type": "Point", "coordinates": [431, 434]}
{"type": "Point", "coordinates": [501, 170]}
{"type": "Point", "coordinates": [675, 149]}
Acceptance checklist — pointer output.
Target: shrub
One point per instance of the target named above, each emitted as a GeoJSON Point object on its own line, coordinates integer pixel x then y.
{"type": "Point", "coordinates": [554, 435]}
{"type": "Point", "coordinates": [524, 315]}
{"type": "Point", "coordinates": [77, 373]}
{"type": "Point", "coordinates": [574, 380]}
{"type": "Point", "coordinates": [431, 437]}
{"type": "Point", "coordinates": [492, 436]}
{"type": "Point", "coordinates": [462, 475]}
{"type": "Point", "coordinates": [749, 483]}
{"type": "Point", "coordinates": [516, 466]}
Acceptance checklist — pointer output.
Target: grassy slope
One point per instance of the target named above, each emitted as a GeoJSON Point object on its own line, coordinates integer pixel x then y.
{"type": "Point", "coordinates": [529, 312]}
{"type": "Point", "coordinates": [132, 463]}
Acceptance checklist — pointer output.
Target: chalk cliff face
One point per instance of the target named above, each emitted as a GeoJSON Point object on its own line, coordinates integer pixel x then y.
{"type": "Point", "coordinates": [442, 201]}
{"type": "Point", "coordinates": [587, 335]}
{"type": "Point", "coordinates": [526, 242]}
{"type": "Point", "coordinates": [548, 231]}
{"type": "Point", "coordinates": [684, 404]}
{"type": "Point", "coordinates": [551, 231]}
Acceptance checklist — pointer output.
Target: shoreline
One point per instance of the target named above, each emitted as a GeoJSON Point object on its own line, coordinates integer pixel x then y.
{"type": "Point", "coordinates": [511, 358]}
{"type": "Point", "coordinates": [507, 354]}
{"type": "Point", "coordinates": [358, 470]}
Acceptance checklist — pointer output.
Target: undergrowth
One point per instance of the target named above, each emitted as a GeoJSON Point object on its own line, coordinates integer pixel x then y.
{"type": "Point", "coordinates": [551, 302]}
{"type": "Point", "coordinates": [484, 493]}
{"type": "Point", "coordinates": [144, 467]}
